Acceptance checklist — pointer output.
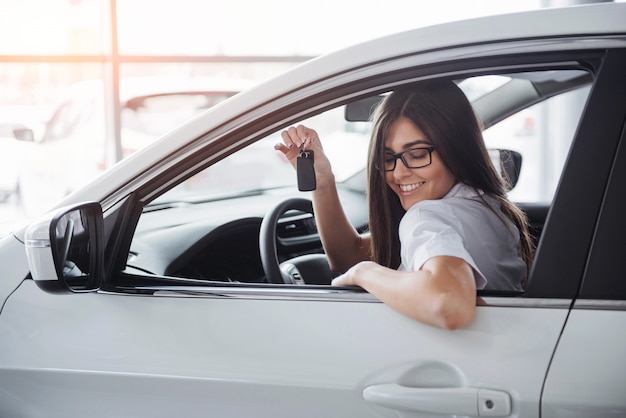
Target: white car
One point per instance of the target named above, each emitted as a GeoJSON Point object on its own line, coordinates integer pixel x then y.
{"type": "Point", "coordinates": [155, 290]}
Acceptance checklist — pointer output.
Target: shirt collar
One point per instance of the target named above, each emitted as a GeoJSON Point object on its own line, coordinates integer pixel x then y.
{"type": "Point", "coordinates": [462, 190]}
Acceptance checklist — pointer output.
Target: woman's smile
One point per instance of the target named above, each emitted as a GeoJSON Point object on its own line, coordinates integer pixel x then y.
{"type": "Point", "coordinates": [407, 188]}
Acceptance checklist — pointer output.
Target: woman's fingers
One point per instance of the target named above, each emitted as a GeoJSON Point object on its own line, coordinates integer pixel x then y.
{"type": "Point", "coordinates": [296, 136]}
{"type": "Point", "coordinates": [292, 137]}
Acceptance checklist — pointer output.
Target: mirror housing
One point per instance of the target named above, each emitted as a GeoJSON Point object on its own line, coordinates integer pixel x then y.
{"type": "Point", "coordinates": [361, 110]}
{"type": "Point", "coordinates": [65, 249]}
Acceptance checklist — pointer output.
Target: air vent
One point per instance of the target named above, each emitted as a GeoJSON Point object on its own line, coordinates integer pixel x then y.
{"type": "Point", "coordinates": [296, 227]}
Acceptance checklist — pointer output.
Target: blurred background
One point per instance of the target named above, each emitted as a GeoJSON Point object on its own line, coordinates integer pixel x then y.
{"type": "Point", "coordinates": [85, 83]}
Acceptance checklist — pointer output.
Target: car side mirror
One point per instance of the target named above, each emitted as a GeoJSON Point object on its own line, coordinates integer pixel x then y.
{"type": "Point", "coordinates": [65, 249]}
{"type": "Point", "coordinates": [361, 110]}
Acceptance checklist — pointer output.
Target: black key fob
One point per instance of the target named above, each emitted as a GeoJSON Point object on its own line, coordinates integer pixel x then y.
{"type": "Point", "coordinates": [305, 171]}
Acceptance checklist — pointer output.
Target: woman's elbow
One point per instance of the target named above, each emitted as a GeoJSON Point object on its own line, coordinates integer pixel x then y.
{"type": "Point", "coordinates": [453, 322]}
{"type": "Point", "coordinates": [452, 314]}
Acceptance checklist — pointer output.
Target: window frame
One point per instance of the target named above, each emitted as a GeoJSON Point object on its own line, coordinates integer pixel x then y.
{"type": "Point", "coordinates": [563, 249]}
{"type": "Point", "coordinates": [606, 262]}
{"type": "Point", "coordinates": [548, 286]}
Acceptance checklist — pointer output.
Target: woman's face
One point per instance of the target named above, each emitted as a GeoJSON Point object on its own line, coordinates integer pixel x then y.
{"type": "Point", "coordinates": [412, 185]}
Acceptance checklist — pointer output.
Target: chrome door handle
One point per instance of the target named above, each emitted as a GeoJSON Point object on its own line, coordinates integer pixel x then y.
{"type": "Point", "coordinates": [476, 402]}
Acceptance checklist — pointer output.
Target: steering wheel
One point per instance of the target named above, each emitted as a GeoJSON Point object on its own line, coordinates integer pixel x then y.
{"type": "Point", "coordinates": [313, 266]}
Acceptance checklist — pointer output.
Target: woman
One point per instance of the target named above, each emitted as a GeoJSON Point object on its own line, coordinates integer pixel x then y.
{"type": "Point", "coordinates": [441, 226]}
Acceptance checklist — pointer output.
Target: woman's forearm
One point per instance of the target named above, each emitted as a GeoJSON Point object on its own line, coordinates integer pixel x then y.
{"type": "Point", "coordinates": [343, 245]}
{"type": "Point", "coordinates": [442, 294]}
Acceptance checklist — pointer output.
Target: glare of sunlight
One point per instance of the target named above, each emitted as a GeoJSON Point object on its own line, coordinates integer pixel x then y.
{"type": "Point", "coordinates": [236, 27]}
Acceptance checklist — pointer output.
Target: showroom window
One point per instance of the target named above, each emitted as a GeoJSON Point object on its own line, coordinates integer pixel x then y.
{"type": "Point", "coordinates": [76, 74]}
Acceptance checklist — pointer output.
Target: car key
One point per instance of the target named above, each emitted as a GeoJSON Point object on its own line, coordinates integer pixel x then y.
{"type": "Point", "coordinates": [305, 171]}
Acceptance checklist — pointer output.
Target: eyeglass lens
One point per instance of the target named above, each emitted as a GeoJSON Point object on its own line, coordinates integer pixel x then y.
{"type": "Point", "coordinates": [412, 158]}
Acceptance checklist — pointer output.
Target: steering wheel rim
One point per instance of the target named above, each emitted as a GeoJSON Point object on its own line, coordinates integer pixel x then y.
{"type": "Point", "coordinates": [267, 237]}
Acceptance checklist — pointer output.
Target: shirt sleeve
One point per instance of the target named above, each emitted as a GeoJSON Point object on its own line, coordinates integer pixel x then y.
{"type": "Point", "coordinates": [430, 229]}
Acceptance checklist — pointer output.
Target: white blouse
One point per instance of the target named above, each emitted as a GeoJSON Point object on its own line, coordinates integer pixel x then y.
{"type": "Point", "coordinates": [461, 225]}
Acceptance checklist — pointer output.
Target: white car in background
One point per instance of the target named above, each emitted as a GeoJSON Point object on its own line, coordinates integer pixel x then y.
{"type": "Point", "coordinates": [75, 144]}
{"type": "Point", "coordinates": [166, 288]}
{"type": "Point", "coordinates": [10, 152]}
{"type": "Point", "coordinates": [25, 122]}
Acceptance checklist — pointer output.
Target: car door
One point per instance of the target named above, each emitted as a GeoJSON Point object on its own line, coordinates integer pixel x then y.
{"type": "Point", "coordinates": [244, 349]}
{"type": "Point", "coordinates": [588, 374]}
{"type": "Point", "coordinates": [268, 352]}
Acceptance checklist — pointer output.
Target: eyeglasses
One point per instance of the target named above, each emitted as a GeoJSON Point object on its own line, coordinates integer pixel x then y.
{"type": "Point", "coordinates": [411, 158]}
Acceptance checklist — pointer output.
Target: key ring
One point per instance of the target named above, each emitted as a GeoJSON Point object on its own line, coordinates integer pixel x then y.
{"type": "Point", "coordinates": [303, 151]}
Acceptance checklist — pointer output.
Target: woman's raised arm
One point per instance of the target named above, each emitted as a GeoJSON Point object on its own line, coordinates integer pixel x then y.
{"type": "Point", "coordinates": [343, 245]}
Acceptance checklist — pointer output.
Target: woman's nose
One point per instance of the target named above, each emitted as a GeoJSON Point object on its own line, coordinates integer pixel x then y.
{"type": "Point", "coordinates": [400, 170]}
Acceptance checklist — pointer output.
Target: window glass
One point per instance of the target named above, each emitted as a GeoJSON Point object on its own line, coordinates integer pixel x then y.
{"type": "Point", "coordinates": [260, 167]}
{"type": "Point", "coordinates": [542, 134]}
{"type": "Point", "coordinates": [53, 27]}
{"type": "Point", "coordinates": [222, 204]}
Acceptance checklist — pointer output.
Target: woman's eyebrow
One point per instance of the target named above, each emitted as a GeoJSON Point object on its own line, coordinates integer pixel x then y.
{"type": "Point", "coordinates": [411, 144]}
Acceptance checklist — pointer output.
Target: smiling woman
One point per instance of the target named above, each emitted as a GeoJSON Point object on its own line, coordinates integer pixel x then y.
{"type": "Point", "coordinates": [441, 225]}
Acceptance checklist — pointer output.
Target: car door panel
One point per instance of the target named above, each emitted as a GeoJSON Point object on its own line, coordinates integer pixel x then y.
{"type": "Point", "coordinates": [14, 266]}
{"type": "Point", "coordinates": [588, 374]}
{"type": "Point", "coordinates": [297, 353]}
{"type": "Point", "coordinates": [581, 382]}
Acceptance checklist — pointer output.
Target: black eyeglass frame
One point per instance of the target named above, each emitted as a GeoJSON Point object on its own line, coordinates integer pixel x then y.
{"type": "Point", "coordinates": [400, 155]}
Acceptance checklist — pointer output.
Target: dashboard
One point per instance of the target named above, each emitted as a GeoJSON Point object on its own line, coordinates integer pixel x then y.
{"type": "Point", "coordinates": [219, 240]}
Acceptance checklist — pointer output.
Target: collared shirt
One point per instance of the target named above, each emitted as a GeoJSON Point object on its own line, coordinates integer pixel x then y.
{"type": "Point", "coordinates": [462, 225]}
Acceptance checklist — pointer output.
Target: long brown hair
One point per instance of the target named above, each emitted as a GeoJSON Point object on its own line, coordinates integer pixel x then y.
{"type": "Point", "coordinates": [444, 114]}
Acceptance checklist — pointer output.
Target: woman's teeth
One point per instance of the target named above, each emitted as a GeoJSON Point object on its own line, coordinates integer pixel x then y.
{"type": "Point", "coordinates": [410, 187]}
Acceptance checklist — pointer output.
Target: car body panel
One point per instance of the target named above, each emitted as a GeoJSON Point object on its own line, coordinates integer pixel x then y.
{"type": "Point", "coordinates": [587, 374]}
{"type": "Point", "coordinates": [216, 352]}
{"type": "Point", "coordinates": [14, 266]}
{"type": "Point", "coordinates": [586, 377]}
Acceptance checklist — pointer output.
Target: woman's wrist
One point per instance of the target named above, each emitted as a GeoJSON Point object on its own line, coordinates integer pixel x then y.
{"type": "Point", "coordinates": [324, 182]}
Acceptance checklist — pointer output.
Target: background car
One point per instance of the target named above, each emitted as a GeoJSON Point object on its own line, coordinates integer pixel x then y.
{"type": "Point", "coordinates": [14, 119]}
{"type": "Point", "coordinates": [76, 147]}
{"type": "Point", "coordinates": [9, 165]}
{"type": "Point", "coordinates": [156, 290]}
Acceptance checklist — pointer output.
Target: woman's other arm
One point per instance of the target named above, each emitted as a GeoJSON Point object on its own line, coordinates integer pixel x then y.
{"type": "Point", "coordinates": [442, 293]}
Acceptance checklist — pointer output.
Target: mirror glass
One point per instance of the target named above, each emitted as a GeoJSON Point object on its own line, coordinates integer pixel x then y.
{"type": "Point", "coordinates": [75, 246]}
